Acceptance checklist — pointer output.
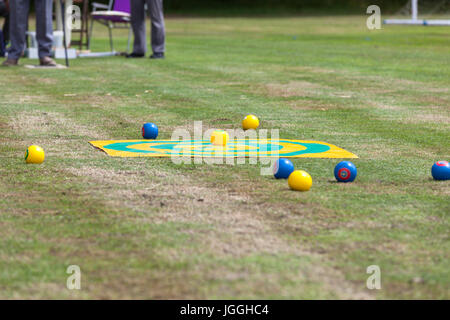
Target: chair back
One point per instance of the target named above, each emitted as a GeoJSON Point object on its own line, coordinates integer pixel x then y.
{"type": "Point", "coordinates": [122, 5]}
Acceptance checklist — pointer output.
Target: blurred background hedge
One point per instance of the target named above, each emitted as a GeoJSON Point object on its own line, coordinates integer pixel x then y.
{"type": "Point", "coordinates": [249, 7]}
{"type": "Point", "coordinates": [279, 6]}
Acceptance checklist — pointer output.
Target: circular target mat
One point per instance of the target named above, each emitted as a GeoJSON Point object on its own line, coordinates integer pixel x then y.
{"type": "Point", "coordinates": [235, 148]}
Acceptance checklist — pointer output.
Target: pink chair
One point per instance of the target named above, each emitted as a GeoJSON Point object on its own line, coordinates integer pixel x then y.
{"type": "Point", "coordinates": [116, 15]}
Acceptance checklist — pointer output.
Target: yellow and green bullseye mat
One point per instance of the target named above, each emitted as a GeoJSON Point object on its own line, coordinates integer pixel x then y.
{"type": "Point", "coordinates": [234, 148]}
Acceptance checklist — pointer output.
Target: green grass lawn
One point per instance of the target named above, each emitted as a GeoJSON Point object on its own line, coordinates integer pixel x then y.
{"type": "Point", "coordinates": [147, 228]}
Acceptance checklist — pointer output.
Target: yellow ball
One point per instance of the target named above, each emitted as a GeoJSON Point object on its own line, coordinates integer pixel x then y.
{"type": "Point", "coordinates": [219, 138]}
{"type": "Point", "coordinates": [34, 154]}
{"type": "Point", "coordinates": [300, 180]}
{"type": "Point", "coordinates": [250, 122]}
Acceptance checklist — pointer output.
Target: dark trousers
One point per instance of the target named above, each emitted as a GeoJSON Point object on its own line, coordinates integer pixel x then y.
{"type": "Point", "coordinates": [155, 8]}
{"type": "Point", "coordinates": [19, 20]}
{"type": "Point", "coordinates": [5, 29]}
{"type": "Point", "coordinates": [4, 34]}
{"type": "Point", "coordinates": [4, 12]}
{"type": "Point", "coordinates": [2, 45]}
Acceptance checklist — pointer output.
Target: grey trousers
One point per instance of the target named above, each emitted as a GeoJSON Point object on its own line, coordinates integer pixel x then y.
{"type": "Point", "coordinates": [18, 26]}
{"type": "Point", "coordinates": [155, 8]}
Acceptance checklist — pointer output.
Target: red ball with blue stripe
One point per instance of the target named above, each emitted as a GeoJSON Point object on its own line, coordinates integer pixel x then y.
{"type": "Point", "coordinates": [441, 170]}
{"type": "Point", "coordinates": [149, 131]}
{"type": "Point", "coordinates": [345, 171]}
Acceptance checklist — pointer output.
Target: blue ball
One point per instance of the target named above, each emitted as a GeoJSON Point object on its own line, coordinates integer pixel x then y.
{"type": "Point", "coordinates": [283, 168]}
{"type": "Point", "coordinates": [345, 171]}
{"type": "Point", "coordinates": [441, 170]}
{"type": "Point", "coordinates": [149, 131]}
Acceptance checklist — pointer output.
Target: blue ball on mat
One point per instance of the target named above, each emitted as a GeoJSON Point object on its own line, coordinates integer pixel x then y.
{"type": "Point", "coordinates": [345, 171]}
{"type": "Point", "coordinates": [283, 168]}
{"type": "Point", "coordinates": [441, 170]}
{"type": "Point", "coordinates": [149, 131]}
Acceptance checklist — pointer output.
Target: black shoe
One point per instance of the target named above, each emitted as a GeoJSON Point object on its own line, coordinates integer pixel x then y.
{"type": "Point", "coordinates": [157, 55]}
{"type": "Point", "coordinates": [135, 55]}
{"type": "Point", "coordinates": [47, 62]}
{"type": "Point", "coordinates": [10, 62]}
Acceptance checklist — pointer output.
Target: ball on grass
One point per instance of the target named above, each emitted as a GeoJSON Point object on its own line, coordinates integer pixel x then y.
{"type": "Point", "coordinates": [250, 122]}
{"type": "Point", "coordinates": [149, 131]}
{"type": "Point", "coordinates": [300, 180]}
{"type": "Point", "coordinates": [345, 171]}
{"type": "Point", "coordinates": [441, 170]}
{"type": "Point", "coordinates": [219, 138]}
{"type": "Point", "coordinates": [283, 168]}
{"type": "Point", "coordinates": [34, 154]}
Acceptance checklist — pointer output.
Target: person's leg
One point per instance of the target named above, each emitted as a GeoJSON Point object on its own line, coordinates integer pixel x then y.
{"type": "Point", "coordinates": [2, 45]}
{"type": "Point", "coordinates": [138, 26]}
{"type": "Point", "coordinates": [158, 36]}
{"type": "Point", "coordinates": [6, 29]}
{"type": "Point", "coordinates": [18, 17]}
{"type": "Point", "coordinates": [44, 27]}
{"type": "Point", "coordinates": [4, 12]}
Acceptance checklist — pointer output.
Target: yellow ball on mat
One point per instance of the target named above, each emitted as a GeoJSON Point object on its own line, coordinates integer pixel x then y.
{"type": "Point", "coordinates": [219, 138]}
{"type": "Point", "coordinates": [250, 122]}
{"type": "Point", "coordinates": [300, 180]}
{"type": "Point", "coordinates": [34, 154]}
